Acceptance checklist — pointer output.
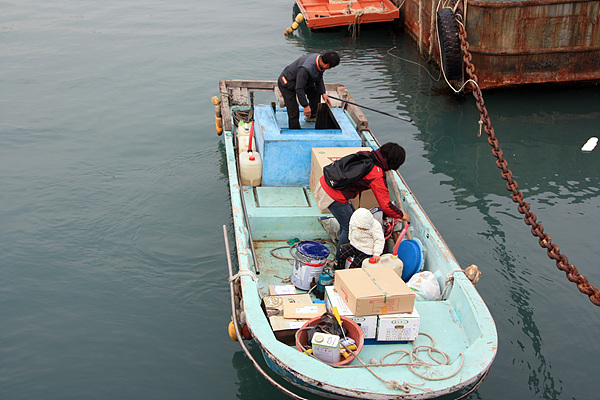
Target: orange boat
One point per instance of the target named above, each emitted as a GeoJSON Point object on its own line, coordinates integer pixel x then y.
{"type": "Point", "coordinates": [320, 14]}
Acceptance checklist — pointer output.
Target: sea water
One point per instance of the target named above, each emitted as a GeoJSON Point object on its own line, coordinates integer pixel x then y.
{"type": "Point", "coordinates": [114, 191]}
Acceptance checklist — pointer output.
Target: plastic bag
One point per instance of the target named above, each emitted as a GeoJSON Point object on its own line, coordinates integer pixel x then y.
{"type": "Point", "coordinates": [328, 324]}
{"type": "Point", "coordinates": [425, 286]}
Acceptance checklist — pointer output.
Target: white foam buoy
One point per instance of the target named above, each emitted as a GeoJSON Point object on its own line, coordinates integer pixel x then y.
{"type": "Point", "coordinates": [590, 144]}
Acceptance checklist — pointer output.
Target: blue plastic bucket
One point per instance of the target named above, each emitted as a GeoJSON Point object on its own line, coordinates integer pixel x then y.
{"type": "Point", "coordinates": [309, 260]}
{"type": "Point", "coordinates": [411, 254]}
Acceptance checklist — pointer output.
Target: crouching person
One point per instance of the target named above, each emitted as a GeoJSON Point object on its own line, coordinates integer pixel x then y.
{"type": "Point", "coordinates": [366, 240]}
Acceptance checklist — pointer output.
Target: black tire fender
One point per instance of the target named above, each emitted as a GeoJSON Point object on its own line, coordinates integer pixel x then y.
{"type": "Point", "coordinates": [450, 52]}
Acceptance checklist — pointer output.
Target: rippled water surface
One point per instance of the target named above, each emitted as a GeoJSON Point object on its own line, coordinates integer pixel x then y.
{"type": "Point", "coordinates": [113, 193]}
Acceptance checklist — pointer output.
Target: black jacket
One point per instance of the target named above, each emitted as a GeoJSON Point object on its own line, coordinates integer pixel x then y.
{"type": "Point", "coordinates": [302, 73]}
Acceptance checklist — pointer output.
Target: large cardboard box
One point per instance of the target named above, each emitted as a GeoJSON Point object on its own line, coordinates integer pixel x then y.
{"type": "Point", "coordinates": [322, 156]}
{"type": "Point", "coordinates": [368, 324]}
{"type": "Point", "coordinates": [374, 291]}
{"type": "Point", "coordinates": [393, 327]}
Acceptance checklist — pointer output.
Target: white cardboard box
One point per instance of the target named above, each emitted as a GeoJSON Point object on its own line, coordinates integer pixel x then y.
{"type": "Point", "coordinates": [394, 327]}
{"type": "Point", "coordinates": [368, 324]}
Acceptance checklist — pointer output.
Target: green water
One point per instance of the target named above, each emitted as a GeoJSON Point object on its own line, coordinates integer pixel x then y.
{"type": "Point", "coordinates": [113, 193]}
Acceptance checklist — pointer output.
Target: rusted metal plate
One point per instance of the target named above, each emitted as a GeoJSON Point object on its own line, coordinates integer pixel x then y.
{"type": "Point", "coordinates": [520, 42]}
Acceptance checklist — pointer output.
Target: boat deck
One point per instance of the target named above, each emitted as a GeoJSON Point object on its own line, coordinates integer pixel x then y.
{"type": "Point", "coordinates": [294, 214]}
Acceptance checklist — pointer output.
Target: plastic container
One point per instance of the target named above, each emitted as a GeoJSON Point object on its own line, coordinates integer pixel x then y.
{"type": "Point", "coordinates": [309, 261]}
{"type": "Point", "coordinates": [250, 168]}
{"type": "Point", "coordinates": [244, 129]}
{"type": "Point", "coordinates": [243, 144]}
{"type": "Point", "coordinates": [411, 254]}
{"type": "Point", "coordinates": [386, 260]}
{"type": "Point", "coordinates": [353, 331]}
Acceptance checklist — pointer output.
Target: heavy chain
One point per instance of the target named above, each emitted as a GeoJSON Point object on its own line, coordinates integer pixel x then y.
{"type": "Point", "coordinates": [537, 229]}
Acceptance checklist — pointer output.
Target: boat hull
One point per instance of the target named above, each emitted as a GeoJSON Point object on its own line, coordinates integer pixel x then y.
{"type": "Point", "coordinates": [519, 42]}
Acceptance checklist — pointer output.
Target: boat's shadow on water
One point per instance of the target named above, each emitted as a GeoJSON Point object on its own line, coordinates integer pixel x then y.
{"type": "Point", "coordinates": [252, 385]}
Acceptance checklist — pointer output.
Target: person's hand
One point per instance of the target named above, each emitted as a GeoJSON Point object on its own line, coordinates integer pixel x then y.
{"type": "Point", "coordinates": [326, 99]}
{"type": "Point", "coordinates": [374, 259]}
{"type": "Point", "coordinates": [307, 111]}
{"type": "Point", "coordinates": [405, 217]}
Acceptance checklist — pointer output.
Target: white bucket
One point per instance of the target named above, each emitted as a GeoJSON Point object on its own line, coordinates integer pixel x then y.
{"type": "Point", "coordinates": [309, 260]}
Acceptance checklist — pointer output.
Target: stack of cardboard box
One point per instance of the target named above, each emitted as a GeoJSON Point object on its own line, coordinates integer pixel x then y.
{"type": "Point", "coordinates": [288, 312]}
{"type": "Point", "coordinates": [378, 300]}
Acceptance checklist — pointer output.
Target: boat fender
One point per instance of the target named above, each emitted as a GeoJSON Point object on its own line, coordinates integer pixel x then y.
{"type": "Point", "coordinates": [246, 332]}
{"type": "Point", "coordinates": [232, 333]}
{"type": "Point", "coordinates": [218, 119]}
{"type": "Point", "coordinates": [449, 44]}
{"type": "Point", "coordinates": [473, 273]}
{"type": "Point", "coordinates": [295, 25]}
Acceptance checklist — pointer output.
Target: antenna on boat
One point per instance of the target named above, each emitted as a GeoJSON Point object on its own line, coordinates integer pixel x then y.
{"type": "Point", "coordinates": [372, 109]}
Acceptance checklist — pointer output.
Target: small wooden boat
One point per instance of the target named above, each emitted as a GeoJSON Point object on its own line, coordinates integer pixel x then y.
{"type": "Point", "coordinates": [320, 14]}
{"type": "Point", "coordinates": [458, 329]}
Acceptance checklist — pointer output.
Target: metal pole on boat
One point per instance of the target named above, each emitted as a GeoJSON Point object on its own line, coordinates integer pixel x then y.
{"type": "Point", "coordinates": [238, 330]}
{"type": "Point", "coordinates": [372, 109]}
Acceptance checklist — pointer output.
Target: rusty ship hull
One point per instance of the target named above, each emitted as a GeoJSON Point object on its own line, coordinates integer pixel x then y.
{"type": "Point", "coordinates": [518, 42]}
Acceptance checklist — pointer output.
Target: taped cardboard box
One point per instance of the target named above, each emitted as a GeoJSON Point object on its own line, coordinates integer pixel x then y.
{"type": "Point", "coordinates": [322, 156]}
{"type": "Point", "coordinates": [368, 324]}
{"type": "Point", "coordinates": [394, 327]}
{"type": "Point", "coordinates": [285, 329]}
{"type": "Point", "coordinates": [273, 305]}
{"type": "Point", "coordinates": [374, 291]}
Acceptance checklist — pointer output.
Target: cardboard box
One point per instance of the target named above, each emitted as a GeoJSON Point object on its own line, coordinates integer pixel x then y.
{"type": "Point", "coordinates": [368, 324]}
{"type": "Point", "coordinates": [374, 291]}
{"type": "Point", "coordinates": [285, 329]}
{"type": "Point", "coordinates": [279, 290]}
{"type": "Point", "coordinates": [322, 156]}
{"type": "Point", "coordinates": [303, 310]}
{"type": "Point", "coordinates": [273, 305]}
{"type": "Point", "coordinates": [393, 327]}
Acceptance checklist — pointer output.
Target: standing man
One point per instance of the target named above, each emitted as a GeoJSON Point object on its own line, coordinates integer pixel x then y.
{"type": "Point", "coordinates": [302, 81]}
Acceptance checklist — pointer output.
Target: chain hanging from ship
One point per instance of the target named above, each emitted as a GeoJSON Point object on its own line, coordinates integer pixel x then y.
{"type": "Point", "coordinates": [450, 33]}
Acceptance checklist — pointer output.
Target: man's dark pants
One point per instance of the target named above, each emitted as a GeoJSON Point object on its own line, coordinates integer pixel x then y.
{"type": "Point", "coordinates": [291, 104]}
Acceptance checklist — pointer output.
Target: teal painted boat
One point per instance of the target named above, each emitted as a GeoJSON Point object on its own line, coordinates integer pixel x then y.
{"type": "Point", "coordinates": [457, 339]}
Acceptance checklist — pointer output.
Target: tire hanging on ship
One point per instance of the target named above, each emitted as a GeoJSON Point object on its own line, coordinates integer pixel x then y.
{"type": "Point", "coordinates": [450, 51]}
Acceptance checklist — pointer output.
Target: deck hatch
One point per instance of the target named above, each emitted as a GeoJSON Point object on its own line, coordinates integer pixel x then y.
{"type": "Point", "coordinates": [281, 197]}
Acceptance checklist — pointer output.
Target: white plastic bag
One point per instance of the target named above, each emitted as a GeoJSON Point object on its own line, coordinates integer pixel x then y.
{"type": "Point", "coordinates": [425, 286]}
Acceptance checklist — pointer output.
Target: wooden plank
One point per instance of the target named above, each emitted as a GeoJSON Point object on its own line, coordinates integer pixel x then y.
{"type": "Point", "coordinates": [279, 97]}
{"type": "Point", "coordinates": [225, 107]}
{"type": "Point", "coordinates": [355, 112]}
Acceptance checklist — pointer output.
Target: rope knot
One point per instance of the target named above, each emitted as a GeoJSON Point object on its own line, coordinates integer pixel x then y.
{"type": "Point", "coordinates": [395, 385]}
